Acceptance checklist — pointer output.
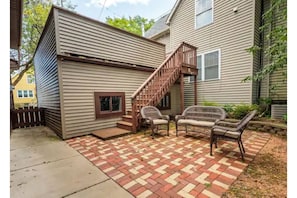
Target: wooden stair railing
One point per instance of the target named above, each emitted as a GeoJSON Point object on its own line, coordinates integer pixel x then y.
{"type": "Point", "coordinates": [159, 82]}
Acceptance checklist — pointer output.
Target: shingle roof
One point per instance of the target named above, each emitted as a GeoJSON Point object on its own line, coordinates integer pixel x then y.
{"type": "Point", "coordinates": [159, 27]}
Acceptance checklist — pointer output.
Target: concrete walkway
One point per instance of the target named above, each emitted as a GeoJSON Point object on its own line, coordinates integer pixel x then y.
{"type": "Point", "coordinates": [42, 165]}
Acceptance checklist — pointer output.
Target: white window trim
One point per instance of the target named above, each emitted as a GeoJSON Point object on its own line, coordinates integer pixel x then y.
{"type": "Point", "coordinates": [23, 93]}
{"type": "Point", "coordinates": [195, 18]}
{"type": "Point", "coordinates": [203, 67]}
{"type": "Point", "coordinates": [32, 76]}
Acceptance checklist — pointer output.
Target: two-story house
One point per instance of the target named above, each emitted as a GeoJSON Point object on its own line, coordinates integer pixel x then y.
{"type": "Point", "coordinates": [221, 31]}
{"type": "Point", "coordinates": [24, 93]}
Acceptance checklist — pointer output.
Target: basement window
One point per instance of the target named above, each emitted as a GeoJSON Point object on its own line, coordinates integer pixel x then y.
{"type": "Point", "coordinates": [165, 103]}
{"type": "Point", "coordinates": [109, 104]}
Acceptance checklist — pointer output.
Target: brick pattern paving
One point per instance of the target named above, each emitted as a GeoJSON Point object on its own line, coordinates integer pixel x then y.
{"type": "Point", "coordinates": [170, 166]}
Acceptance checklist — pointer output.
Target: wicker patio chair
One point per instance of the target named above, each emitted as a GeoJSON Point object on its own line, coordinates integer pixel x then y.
{"type": "Point", "coordinates": [230, 131]}
{"type": "Point", "coordinates": [153, 117]}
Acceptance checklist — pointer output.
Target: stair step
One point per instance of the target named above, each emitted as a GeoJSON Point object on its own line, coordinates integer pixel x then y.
{"type": "Point", "coordinates": [125, 125]}
{"type": "Point", "coordinates": [110, 133]}
{"type": "Point", "coordinates": [127, 118]}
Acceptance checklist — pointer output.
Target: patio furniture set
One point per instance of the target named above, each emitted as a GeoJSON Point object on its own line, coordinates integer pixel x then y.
{"type": "Point", "coordinates": [209, 117]}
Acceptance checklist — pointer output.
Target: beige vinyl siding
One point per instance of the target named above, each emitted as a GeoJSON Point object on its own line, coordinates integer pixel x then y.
{"type": "Point", "coordinates": [46, 72]}
{"type": "Point", "coordinates": [80, 81]}
{"type": "Point", "coordinates": [165, 39]}
{"type": "Point", "coordinates": [231, 33]}
{"type": "Point", "coordinates": [86, 37]}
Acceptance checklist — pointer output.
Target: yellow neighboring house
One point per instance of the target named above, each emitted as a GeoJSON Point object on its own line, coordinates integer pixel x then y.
{"type": "Point", "coordinates": [24, 93]}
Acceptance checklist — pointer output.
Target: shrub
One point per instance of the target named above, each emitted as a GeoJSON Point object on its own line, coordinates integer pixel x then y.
{"type": "Point", "coordinates": [229, 109]}
{"type": "Point", "coordinates": [264, 107]}
{"type": "Point", "coordinates": [241, 110]}
{"type": "Point", "coordinates": [208, 103]}
{"type": "Point", "coordinates": [285, 117]}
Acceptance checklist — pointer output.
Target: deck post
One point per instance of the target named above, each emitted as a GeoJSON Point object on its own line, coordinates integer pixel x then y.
{"type": "Point", "coordinates": [181, 92]}
{"type": "Point", "coordinates": [195, 90]}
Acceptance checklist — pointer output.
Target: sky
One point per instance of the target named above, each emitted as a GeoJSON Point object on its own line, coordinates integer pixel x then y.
{"type": "Point", "coordinates": [100, 9]}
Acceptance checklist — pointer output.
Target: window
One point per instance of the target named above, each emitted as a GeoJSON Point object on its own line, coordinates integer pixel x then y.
{"type": "Point", "coordinates": [204, 12]}
{"type": "Point", "coordinates": [208, 65]}
{"type": "Point", "coordinates": [20, 93]}
{"type": "Point", "coordinates": [30, 79]}
{"type": "Point", "coordinates": [165, 103]}
{"type": "Point", "coordinates": [109, 104]}
{"type": "Point", "coordinates": [30, 93]}
{"type": "Point", "coordinates": [211, 65]}
{"type": "Point", "coordinates": [25, 94]}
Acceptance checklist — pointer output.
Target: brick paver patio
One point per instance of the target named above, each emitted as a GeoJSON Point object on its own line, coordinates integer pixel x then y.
{"type": "Point", "coordinates": [170, 166]}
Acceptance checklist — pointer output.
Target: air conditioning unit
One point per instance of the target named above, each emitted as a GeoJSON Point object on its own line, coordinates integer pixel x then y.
{"type": "Point", "coordinates": [278, 110]}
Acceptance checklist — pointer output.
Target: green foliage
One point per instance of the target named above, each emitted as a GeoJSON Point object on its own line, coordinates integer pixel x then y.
{"type": "Point", "coordinates": [133, 25]}
{"type": "Point", "coordinates": [209, 103]}
{"type": "Point", "coordinates": [241, 110]}
{"type": "Point", "coordinates": [35, 14]}
{"type": "Point", "coordinates": [285, 117]}
{"type": "Point", "coordinates": [229, 109]}
{"type": "Point", "coordinates": [276, 52]}
{"type": "Point", "coordinates": [264, 107]}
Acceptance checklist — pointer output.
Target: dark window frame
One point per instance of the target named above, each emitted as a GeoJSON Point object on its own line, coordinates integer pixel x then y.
{"type": "Point", "coordinates": [167, 107]}
{"type": "Point", "coordinates": [109, 114]}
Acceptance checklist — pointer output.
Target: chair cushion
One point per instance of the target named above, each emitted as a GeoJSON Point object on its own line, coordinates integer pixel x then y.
{"type": "Point", "coordinates": [222, 132]}
{"type": "Point", "coordinates": [195, 122]}
{"type": "Point", "coordinates": [159, 121]}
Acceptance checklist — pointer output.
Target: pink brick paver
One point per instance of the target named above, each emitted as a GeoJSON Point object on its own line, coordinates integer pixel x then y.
{"type": "Point", "coordinates": [170, 166]}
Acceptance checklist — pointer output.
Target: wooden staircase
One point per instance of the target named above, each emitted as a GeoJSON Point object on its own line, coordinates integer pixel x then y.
{"type": "Point", "coordinates": [181, 62]}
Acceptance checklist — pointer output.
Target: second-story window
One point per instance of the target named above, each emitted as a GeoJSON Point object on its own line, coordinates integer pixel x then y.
{"type": "Point", "coordinates": [30, 79]}
{"type": "Point", "coordinates": [203, 12]}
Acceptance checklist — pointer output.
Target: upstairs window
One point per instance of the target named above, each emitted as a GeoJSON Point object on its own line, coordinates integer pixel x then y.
{"type": "Point", "coordinates": [109, 104]}
{"type": "Point", "coordinates": [30, 79]}
{"type": "Point", "coordinates": [203, 12]}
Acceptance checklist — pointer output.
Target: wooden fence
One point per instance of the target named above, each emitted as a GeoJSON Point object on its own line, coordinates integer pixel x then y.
{"type": "Point", "coordinates": [27, 117]}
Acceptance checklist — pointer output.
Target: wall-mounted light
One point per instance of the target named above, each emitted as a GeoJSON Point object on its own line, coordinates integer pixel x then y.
{"type": "Point", "coordinates": [235, 10]}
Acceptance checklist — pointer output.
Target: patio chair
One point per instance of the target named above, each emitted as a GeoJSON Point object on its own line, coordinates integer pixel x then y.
{"type": "Point", "coordinates": [230, 131]}
{"type": "Point", "coordinates": [153, 117]}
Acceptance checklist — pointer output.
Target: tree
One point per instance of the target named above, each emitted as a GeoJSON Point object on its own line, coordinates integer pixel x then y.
{"type": "Point", "coordinates": [35, 14]}
{"type": "Point", "coordinates": [133, 25]}
{"type": "Point", "coordinates": [276, 52]}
